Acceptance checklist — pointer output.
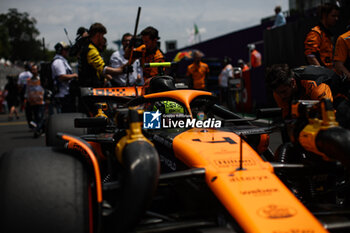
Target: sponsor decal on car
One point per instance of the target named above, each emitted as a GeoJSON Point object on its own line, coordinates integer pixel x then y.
{"type": "Point", "coordinates": [117, 91]}
{"type": "Point", "coordinates": [295, 230]}
{"type": "Point", "coordinates": [248, 178]}
{"type": "Point", "coordinates": [259, 192]}
{"type": "Point", "coordinates": [274, 211]}
{"type": "Point", "coordinates": [225, 163]}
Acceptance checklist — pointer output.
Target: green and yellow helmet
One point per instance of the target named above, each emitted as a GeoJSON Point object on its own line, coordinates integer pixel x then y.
{"type": "Point", "coordinates": [168, 107]}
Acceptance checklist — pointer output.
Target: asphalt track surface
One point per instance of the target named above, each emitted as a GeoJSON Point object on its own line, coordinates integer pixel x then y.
{"type": "Point", "coordinates": [16, 134]}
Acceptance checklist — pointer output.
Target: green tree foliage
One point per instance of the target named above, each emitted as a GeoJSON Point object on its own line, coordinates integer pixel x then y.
{"type": "Point", "coordinates": [18, 37]}
{"type": "Point", "coordinates": [5, 46]}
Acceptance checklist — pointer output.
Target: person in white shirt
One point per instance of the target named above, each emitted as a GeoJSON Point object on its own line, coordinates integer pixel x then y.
{"type": "Point", "coordinates": [62, 74]}
{"type": "Point", "coordinates": [280, 20]}
{"type": "Point", "coordinates": [120, 58]}
{"type": "Point", "coordinates": [22, 82]}
{"type": "Point", "coordinates": [226, 73]}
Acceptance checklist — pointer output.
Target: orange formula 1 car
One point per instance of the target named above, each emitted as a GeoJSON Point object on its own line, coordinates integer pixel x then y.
{"type": "Point", "coordinates": [172, 161]}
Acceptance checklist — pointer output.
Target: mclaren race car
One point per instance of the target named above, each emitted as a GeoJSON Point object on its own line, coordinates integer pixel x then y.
{"type": "Point", "coordinates": [175, 161]}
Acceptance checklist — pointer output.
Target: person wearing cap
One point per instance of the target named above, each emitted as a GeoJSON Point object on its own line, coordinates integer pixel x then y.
{"type": "Point", "coordinates": [62, 74]}
{"type": "Point", "coordinates": [197, 72]}
{"type": "Point", "coordinates": [149, 51]}
{"type": "Point", "coordinates": [82, 32]}
{"type": "Point", "coordinates": [80, 40]}
{"type": "Point", "coordinates": [92, 68]}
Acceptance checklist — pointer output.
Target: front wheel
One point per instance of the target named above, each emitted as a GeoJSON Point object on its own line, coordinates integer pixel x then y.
{"type": "Point", "coordinates": [43, 190]}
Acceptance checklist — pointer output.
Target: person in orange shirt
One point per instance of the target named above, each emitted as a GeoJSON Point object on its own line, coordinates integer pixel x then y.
{"type": "Point", "coordinates": [149, 51]}
{"type": "Point", "coordinates": [303, 83]}
{"type": "Point", "coordinates": [342, 55]}
{"type": "Point", "coordinates": [255, 56]}
{"type": "Point", "coordinates": [318, 43]}
{"type": "Point", "coordinates": [197, 72]}
{"type": "Point", "coordinates": [243, 65]}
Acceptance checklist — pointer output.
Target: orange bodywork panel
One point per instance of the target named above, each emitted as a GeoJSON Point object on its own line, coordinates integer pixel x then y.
{"type": "Point", "coordinates": [76, 144]}
{"type": "Point", "coordinates": [118, 91]}
{"type": "Point", "coordinates": [254, 196]}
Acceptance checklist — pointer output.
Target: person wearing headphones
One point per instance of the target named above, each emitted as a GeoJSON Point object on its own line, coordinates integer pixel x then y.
{"type": "Point", "coordinates": [62, 74]}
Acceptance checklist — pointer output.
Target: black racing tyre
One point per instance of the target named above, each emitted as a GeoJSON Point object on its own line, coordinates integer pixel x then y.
{"type": "Point", "coordinates": [63, 123]}
{"type": "Point", "coordinates": [43, 190]}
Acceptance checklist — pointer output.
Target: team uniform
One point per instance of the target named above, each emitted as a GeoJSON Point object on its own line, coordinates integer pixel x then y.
{"type": "Point", "coordinates": [148, 57]}
{"type": "Point", "coordinates": [245, 68]}
{"type": "Point", "coordinates": [342, 49]}
{"type": "Point", "coordinates": [198, 74]}
{"type": "Point", "coordinates": [318, 43]}
{"type": "Point", "coordinates": [255, 58]}
{"type": "Point", "coordinates": [314, 83]}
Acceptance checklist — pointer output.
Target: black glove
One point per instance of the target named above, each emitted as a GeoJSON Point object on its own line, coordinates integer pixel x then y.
{"type": "Point", "coordinates": [136, 54]}
{"type": "Point", "coordinates": [132, 42]}
{"type": "Point", "coordinates": [128, 69]}
{"type": "Point", "coordinates": [135, 42]}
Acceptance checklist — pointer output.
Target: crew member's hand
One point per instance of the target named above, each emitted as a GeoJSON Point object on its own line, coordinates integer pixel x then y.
{"type": "Point", "coordinates": [108, 77]}
{"type": "Point", "coordinates": [128, 69]}
{"type": "Point", "coordinates": [132, 42]}
{"type": "Point", "coordinates": [138, 79]}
